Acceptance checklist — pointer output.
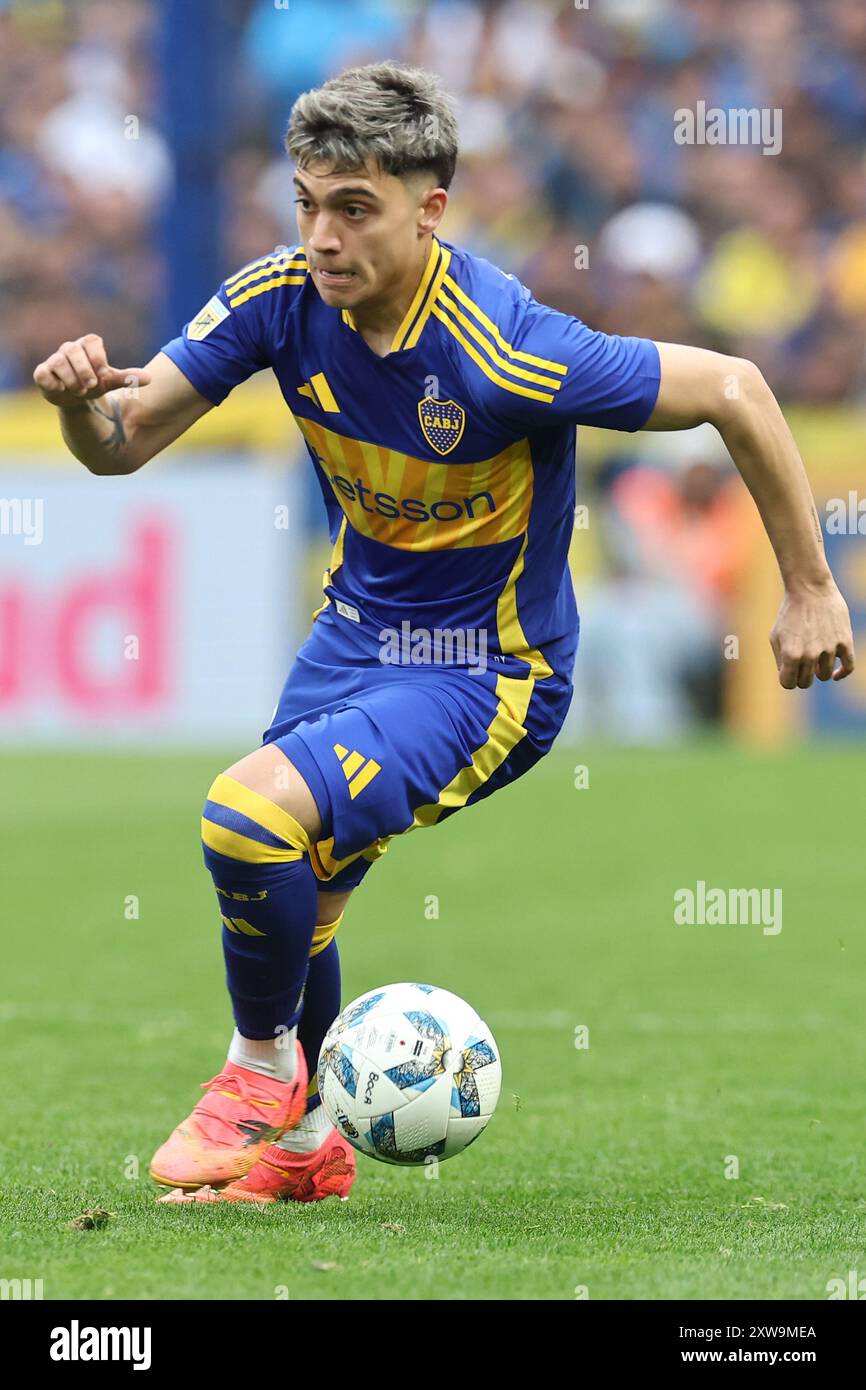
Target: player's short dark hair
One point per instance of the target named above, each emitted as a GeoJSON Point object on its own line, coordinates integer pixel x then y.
{"type": "Point", "coordinates": [400, 116]}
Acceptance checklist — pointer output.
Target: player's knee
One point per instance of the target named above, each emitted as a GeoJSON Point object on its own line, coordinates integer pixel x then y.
{"type": "Point", "coordinates": [240, 823]}
{"type": "Point", "coordinates": [269, 774]}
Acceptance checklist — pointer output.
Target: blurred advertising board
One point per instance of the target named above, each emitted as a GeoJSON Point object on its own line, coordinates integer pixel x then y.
{"type": "Point", "coordinates": [156, 608]}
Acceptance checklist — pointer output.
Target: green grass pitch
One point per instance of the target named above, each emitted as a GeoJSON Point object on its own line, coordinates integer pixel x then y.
{"type": "Point", "coordinates": [604, 1167]}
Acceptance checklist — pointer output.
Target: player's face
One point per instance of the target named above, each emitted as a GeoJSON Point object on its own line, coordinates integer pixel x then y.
{"type": "Point", "coordinates": [365, 232]}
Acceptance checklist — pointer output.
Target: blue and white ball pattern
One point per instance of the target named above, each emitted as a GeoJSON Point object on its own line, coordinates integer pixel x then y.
{"type": "Point", "coordinates": [409, 1073]}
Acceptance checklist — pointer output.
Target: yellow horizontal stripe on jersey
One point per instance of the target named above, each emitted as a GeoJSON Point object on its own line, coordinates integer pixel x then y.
{"type": "Point", "coordinates": [268, 285]}
{"type": "Point", "coordinates": [551, 383]}
{"type": "Point", "coordinates": [543, 362]}
{"type": "Point", "coordinates": [482, 362]}
{"type": "Point", "coordinates": [275, 260]}
{"type": "Point", "coordinates": [512, 638]}
{"type": "Point", "coordinates": [460, 504]}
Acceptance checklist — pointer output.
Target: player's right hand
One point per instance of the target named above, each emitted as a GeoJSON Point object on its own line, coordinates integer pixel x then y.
{"type": "Point", "coordinates": [79, 371]}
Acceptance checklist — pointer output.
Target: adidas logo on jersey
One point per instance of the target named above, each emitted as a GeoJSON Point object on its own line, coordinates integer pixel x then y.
{"type": "Point", "coordinates": [319, 392]}
{"type": "Point", "coordinates": [359, 770]}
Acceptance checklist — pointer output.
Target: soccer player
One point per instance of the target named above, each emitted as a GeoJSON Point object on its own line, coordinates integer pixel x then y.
{"type": "Point", "coordinates": [438, 402]}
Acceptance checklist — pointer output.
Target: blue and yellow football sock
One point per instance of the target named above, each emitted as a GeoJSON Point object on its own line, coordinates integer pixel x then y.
{"type": "Point", "coordinates": [321, 1006]}
{"type": "Point", "coordinates": [268, 894]}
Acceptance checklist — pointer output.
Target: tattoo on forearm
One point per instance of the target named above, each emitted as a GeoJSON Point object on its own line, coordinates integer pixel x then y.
{"type": "Point", "coordinates": [115, 442]}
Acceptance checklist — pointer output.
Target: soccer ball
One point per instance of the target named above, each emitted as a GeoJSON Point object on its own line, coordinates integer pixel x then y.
{"type": "Point", "coordinates": [409, 1073]}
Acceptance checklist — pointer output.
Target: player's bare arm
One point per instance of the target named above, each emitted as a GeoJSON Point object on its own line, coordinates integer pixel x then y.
{"type": "Point", "coordinates": [813, 627]}
{"type": "Point", "coordinates": [115, 419]}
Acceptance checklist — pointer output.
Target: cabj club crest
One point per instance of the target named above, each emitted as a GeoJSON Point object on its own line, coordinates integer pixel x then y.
{"type": "Point", "coordinates": [442, 423]}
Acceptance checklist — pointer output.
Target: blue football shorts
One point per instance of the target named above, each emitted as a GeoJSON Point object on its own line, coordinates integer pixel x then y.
{"type": "Point", "coordinates": [385, 748]}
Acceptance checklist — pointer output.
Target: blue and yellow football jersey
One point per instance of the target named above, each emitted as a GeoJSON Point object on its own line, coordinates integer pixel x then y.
{"type": "Point", "coordinates": [447, 467]}
{"type": "Point", "coordinates": [448, 473]}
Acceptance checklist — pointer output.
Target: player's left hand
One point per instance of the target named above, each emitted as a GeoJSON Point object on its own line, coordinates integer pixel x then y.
{"type": "Point", "coordinates": [812, 629]}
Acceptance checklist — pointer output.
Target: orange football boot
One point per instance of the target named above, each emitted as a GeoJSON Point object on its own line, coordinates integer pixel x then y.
{"type": "Point", "coordinates": [241, 1113]}
{"type": "Point", "coordinates": [278, 1176]}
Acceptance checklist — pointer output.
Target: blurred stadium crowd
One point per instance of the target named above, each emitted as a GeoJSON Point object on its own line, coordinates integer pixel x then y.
{"type": "Point", "coordinates": [569, 177]}
{"type": "Point", "coordinates": [567, 141]}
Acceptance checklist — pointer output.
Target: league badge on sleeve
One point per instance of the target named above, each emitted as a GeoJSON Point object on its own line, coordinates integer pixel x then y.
{"type": "Point", "coordinates": [207, 319]}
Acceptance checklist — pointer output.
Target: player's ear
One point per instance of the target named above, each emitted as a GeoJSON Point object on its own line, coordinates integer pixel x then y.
{"type": "Point", "coordinates": [431, 209]}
